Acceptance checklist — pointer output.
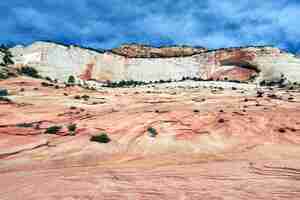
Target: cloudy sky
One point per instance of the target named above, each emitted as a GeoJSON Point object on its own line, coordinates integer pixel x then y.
{"type": "Point", "coordinates": [109, 23]}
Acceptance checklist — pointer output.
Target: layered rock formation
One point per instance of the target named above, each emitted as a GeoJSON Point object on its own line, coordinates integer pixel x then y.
{"type": "Point", "coordinates": [213, 140]}
{"type": "Point", "coordinates": [143, 51]}
{"type": "Point", "coordinates": [211, 143]}
{"type": "Point", "coordinates": [142, 63]}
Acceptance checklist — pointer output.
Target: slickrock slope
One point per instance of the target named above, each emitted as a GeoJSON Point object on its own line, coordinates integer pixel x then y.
{"type": "Point", "coordinates": [142, 63]}
{"type": "Point", "coordinates": [212, 143]}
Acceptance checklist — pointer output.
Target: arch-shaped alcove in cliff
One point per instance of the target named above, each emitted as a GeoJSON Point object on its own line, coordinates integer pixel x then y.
{"type": "Point", "coordinates": [240, 63]}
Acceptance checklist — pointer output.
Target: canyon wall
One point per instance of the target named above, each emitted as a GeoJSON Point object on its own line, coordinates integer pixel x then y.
{"type": "Point", "coordinates": [58, 61]}
{"type": "Point", "coordinates": [144, 51]}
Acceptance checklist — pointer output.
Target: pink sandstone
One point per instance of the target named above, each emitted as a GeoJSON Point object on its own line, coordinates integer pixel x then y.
{"type": "Point", "coordinates": [211, 143]}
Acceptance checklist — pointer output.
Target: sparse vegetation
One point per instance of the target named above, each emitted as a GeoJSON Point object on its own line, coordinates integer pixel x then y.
{"type": "Point", "coordinates": [132, 83]}
{"type": "Point", "coordinates": [5, 99]}
{"type": "Point", "coordinates": [48, 79]}
{"type": "Point", "coordinates": [152, 132]}
{"type": "Point", "coordinates": [29, 71]}
{"type": "Point", "coordinates": [281, 82]}
{"type": "Point", "coordinates": [71, 80]}
{"type": "Point", "coordinates": [45, 84]}
{"type": "Point", "coordinates": [25, 125]}
{"type": "Point", "coordinates": [3, 92]}
{"type": "Point", "coordinates": [102, 138]}
{"type": "Point", "coordinates": [53, 129]}
{"type": "Point", "coordinates": [7, 56]}
{"type": "Point", "coordinates": [72, 128]}
{"type": "Point", "coordinates": [85, 97]}
{"type": "Point", "coordinates": [77, 97]}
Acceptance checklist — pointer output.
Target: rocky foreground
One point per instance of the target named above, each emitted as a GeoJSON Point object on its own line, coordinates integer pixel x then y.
{"type": "Point", "coordinates": [213, 140]}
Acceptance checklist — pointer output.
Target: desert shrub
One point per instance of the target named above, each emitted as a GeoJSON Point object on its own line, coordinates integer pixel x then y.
{"type": "Point", "coordinates": [71, 79]}
{"type": "Point", "coordinates": [281, 82]}
{"type": "Point", "coordinates": [7, 56]}
{"type": "Point", "coordinates": [102, 138]}
{"type": "Point", "coordinates": [5, 99]}
{"type": "Point", "coordinates": [85, 97]}
{"type": "Point", "coordinates": [48, 79]}
{"type": "Point", "coordinates": [3, 75]}
{"type": "Point", "coordinates": [29, 71]}
{"type": "Point", "coordinates": [72, 127]}
{"type": "Point", "coordinates": [152, 132]}
{"type": "Point", "coordinates": [45, 84]}
{"type": "Point", "coordinates": [25, 125]}
{"type": "Point", "coordinates": [7, 59]}
{"type": "Point", "coordinates": [77, 97]}
{"type": "Point", "coordinates": [3, 92]}
{"type": "Point", "coordinates": [53, 129]}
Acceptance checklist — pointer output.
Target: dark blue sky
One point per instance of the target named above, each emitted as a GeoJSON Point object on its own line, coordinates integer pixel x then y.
{"type": "Point", "coordinates": [109, 23]}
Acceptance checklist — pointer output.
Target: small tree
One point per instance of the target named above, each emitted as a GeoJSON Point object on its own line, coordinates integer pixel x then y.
{"type": "Point", "coordinates": [7, 56]}
{"type": "Point", "coordinates": [72, 128]}
{"type": "Point", "coordinates": [7, 59]}
{"type": "Point", "coordinates": [71, 79]}
{"type": "Point", "coordinates": [102, 138]}
{"type": "Point", "coordinates": [29, 71]}
{"type": "Point", "coordinates": [152, 132]}
{"type": "Point", "coordinates": [53, 129]}
{"type": "Point", "coordinates": [3, 92]}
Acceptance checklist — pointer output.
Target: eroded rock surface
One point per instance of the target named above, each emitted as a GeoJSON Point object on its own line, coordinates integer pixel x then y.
{"type": "Point", "coordinates": [143, 51]}
{"type": "Point", "coordinates": [143, 63]}
{"type": "Point", "coordinates": [215, 140]}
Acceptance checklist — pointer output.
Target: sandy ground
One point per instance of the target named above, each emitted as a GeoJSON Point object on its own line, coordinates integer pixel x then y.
{"type": "Point", "coordinates": [215, 141]}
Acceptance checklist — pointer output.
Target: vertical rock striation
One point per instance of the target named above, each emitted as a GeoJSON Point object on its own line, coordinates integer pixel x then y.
{"type": "Point", "coordinates": [144, 63]}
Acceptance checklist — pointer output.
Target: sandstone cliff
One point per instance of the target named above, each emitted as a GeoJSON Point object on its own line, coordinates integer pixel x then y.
{"type": "Point", "coordinates": [143, 51]}
{"type": "Point", "coordinates": [143, 63]}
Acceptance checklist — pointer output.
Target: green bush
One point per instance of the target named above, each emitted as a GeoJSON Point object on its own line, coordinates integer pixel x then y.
{"type": "Point", "coordinates": [45, 84]}
{"type": "Point", "coordinates": [25, 125]}
{"type": "Point", "coordinates": [49, 79]}
{"type": "Point", "coordinates": [29, 71]}
{"type": "Point", "coordinates": [71, 79]}
{"type": "Point", "coordinates": [72, 127]}
{"type": "Point", "coordinates": [53, 129]}
{"type": "Point", "coordinates": [7, 56]}
{"type": "Point", "coordinates": [3, 92]}
{"type": "Point", "coordinates": [85, 97]}
{"type": "Point", "coordinates": [102, 138]}
{"type": "Point", "coordinates": [5, 99]}
{"type": "Point", "coordinates": [7, 60]}
{"type": "Point", "coordinates": [77, 97]}
{"type": "Point", "coordinates": [152, 132]}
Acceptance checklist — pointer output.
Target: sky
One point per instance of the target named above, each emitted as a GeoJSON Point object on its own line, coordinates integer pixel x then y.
{"type": "Point", "coordinates": [107, 24]}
